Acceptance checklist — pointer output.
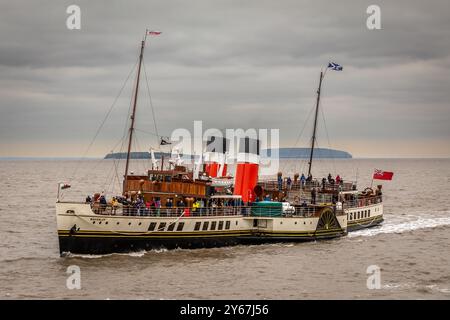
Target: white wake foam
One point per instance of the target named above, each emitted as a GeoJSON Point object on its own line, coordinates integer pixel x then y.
{"type": "Point", "coordinates": [418, 223]}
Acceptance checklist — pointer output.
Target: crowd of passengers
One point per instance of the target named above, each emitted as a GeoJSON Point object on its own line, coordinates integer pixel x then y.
{"type": "Point", "coordinates": [138, 206]}
{"type": "Point", "coordinates": [303, 181]}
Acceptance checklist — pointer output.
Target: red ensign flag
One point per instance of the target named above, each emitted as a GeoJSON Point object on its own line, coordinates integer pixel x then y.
{"type": "Point", "coordinates": [154, 33]}
{"type": "Point", "coordinates": [382, 175]}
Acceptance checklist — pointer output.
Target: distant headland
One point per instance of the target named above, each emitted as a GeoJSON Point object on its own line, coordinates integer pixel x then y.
{"type": "Point", "coordinates": [284, 153]}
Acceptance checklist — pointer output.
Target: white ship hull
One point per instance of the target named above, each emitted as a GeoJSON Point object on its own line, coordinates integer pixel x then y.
{"type": "Point", "coordinates": [80, 230]}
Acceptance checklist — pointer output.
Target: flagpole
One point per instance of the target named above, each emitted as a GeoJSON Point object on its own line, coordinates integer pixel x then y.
{"type": "Point", "coordinates": [133, 115]}
{"type": "Point", "coordinates": [315, 123]}
{"type": "Point", "coordinates": [371, 183]}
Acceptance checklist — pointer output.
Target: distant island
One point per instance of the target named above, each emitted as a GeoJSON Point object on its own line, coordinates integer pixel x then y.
{"type": "Point", "coordinates": [299, 153]}
{"type": "Point", "coordinates": [284, 153]}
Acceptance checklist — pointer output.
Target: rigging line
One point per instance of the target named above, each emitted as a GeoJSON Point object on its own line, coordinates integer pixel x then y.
{"type": "Point", "coordinates": [328, 138]}
{"type": "Point", "coordinates": [128, 118]}
{"type": "Point", "coordinates": [150, 99]}
{"type": "Point", "coordinates": [145, 160]}
{"type": "Point", "coordinates": [101, 161]}
{"type": "Point", "coordinates": [300, 134]}
{"type": "Point", "coordinates": [116, 163]}
{"type": "Point", "coordinates": [147, 132]}
{"type": "Point", "coordinates": [106, 117]}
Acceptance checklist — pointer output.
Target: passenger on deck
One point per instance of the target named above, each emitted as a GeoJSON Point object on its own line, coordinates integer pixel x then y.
{"type": "Point", "coordinates": [303, 180]}
{"type": "Point", "coordinates": [304, 204]}
{"type": "Point", "coordinates": [280, 183]}
{"type": "Point", "coordinates": [289, 183]}
{"type": "Point", "coordinates": [267, 197]}
{"type": "Point", "coordinates": [195, 207]}
{"type": "Point", "coordinates": [313, 195]}
{"type": "Point", "coordinates": [88, 199]}
{"type": "Point", "coordinates": [324, 183]}
{"type": "Point", "coordinates": [329, 177]}
{"type": "Point", "coordinates": [103, 203]}
{"type": "Point", "coordinates": [338, 180]}
{"type": "Point", "coordinates": [114, 205]}
{"type": "Point", "coordinates": [148, 204]}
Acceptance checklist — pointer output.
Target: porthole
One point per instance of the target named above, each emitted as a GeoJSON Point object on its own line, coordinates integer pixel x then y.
{"type": "Point", "coordinates": [129, 223]}
{"type": "Point", "coordinates": [295, 222]}
{"type": "Point", "coordinates": [93, 222]}
{"type": "Point", "coordinates": [118, 223]}
{"type": "Point", "coordinates": [236, 223]}
{"type": "Point", "coordinates": [139, 223]}
{"type": "Point", "coordinates": [99, 222]}
{"type": "Point", "coordinates": [106, 222]}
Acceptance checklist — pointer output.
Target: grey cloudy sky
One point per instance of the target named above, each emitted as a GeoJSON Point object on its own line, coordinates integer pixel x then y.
{"type": "Point", "coordinates": [232, 64]}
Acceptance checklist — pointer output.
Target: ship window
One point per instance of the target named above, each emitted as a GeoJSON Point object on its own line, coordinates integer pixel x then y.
{"type": "Point", "coordinates": [161, 227]}
{"type": "Point", "coordinates": [227, 225]}
{"type": "Point", "coordinates": [129, 223]}
{"type": "Point", "coordinates": [99, 222]}
{"type": "Point", "coordinates": [213, 225]}
{"type": "Point", "coordinates": [171, 227]}
{"type": "Point", "coordinates": [369, 213]}
{"type": "Point", "coordinates": [93, 222]}
{"type": "Point", "coordinates": [197, 226]}
{"type": "Point", "coordinates": [350, 216]}
{"type": "Point", "coordinates": [180, 226]}
{"type": "Point", "coordinates": [205, 225]}
{"type": "Point", "coordinates": [236, 223]}
{"type": "Point", "coordinates": [220, 225]}
{"type": "Point", "coordinates": [152, 226]}
{"type": "Point", "coordinates": [365, 213]}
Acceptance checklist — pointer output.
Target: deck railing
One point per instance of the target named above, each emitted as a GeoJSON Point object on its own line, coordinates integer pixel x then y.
{"type": "Point", "coordinates": [273, 185]}
{"type": "Point", "coordinates": [363, 202]}
{"type": "Point", "coordinates": [260, 211]}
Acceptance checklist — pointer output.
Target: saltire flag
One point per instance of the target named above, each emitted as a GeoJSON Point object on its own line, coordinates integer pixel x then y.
{"type": "Point", "coordinates": [382, 175]}
{"type": "Point", "coordinates": [165, 142]}
{"type": "Point", "coordinates": [335, 66]}
{"type": "Point", "coordinates": [154, 33]}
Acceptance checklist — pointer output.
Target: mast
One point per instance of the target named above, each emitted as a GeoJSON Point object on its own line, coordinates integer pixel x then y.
{"type": "Point", "coordinates": [133, 114]}
{"type": "Point", "coordinates": [315, 124]}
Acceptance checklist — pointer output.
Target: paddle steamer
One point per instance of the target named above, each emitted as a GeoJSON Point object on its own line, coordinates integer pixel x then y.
{"type": "Point", "coordinates": [193, 210]}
